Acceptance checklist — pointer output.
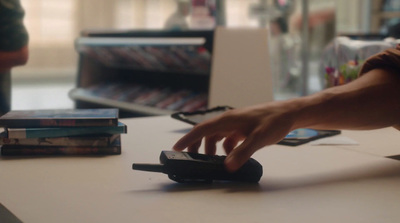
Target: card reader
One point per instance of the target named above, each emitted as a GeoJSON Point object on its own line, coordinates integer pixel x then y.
{"type": "Point", "coordinates": [185, 167]}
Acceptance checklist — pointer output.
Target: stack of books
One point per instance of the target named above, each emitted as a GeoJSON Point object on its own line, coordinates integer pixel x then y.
{"type": "Point", "coordinates": [61, 132]}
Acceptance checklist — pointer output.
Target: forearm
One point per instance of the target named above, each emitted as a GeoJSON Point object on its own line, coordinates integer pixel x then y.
{"type": "Point", "coordinates": [372, 101]}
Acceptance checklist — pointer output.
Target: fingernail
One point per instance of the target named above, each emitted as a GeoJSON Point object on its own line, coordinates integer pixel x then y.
{"type": "Point", "coordinates": [176, 148]}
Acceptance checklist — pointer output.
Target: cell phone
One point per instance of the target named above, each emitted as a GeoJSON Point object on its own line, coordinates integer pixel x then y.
{"type": "Point", "coordinates": [197, 117]}
{"type": "Point", "coordinates": [186, 167]}
{"type": "Point", "coordinates": [304, 135]}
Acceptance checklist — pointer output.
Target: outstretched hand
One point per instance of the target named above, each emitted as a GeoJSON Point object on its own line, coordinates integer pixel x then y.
{"type": "Point", "coordinates": [243, 131]}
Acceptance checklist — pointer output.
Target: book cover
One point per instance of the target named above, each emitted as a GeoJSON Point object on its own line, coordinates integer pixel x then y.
{"type": "Point", "coordinates": [19, 150]}
{"type": "Point", "coordinates": [20, 133]}
{"type": "Point", "coordinates": [59, 118]}
{"type": "Point", "coordinates": [95, 140]}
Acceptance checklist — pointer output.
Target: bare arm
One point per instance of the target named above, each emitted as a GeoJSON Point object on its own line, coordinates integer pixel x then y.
{"type": "Point", "coordinates": [372, 101]}
{"type": "Point", "coordinates": [10, 59]}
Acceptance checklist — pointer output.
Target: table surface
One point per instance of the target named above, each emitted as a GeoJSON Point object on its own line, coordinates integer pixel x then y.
{"type": "Point", "coordinates": [308, 183]}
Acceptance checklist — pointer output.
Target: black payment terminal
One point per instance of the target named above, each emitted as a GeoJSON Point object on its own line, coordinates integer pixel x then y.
{"type": "Point", "coordinates": [186, 167]}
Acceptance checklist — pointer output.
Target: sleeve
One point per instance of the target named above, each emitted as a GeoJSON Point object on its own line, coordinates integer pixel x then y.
{"type": "Point", "coordinates": [13, 34]}
{"type": "Point", "coordinates": [388, 59]}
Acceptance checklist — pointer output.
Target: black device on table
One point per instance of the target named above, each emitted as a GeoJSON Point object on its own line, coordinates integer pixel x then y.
{"type": "Point", "coordinates": [185, 167]}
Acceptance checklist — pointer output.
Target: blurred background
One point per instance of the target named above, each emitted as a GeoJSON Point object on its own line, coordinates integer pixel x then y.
{"type": "Point", "coordinates": [54, 25]}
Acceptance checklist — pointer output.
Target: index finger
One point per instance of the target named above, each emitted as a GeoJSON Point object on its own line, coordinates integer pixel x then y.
{"type": "Point", "coordinates": [208, 128]}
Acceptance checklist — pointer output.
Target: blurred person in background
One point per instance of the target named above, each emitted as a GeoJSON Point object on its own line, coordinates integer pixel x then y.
{"type": "Point", "coordinates": [13, 47]}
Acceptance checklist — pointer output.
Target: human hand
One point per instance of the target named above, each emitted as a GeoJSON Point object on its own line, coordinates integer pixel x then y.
{"type": "Point", "coordinates": [10, 59]}
{"type": "Point", "coordinates": [244, 131]}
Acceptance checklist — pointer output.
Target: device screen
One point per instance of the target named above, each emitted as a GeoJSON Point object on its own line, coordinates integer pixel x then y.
{"type": "Point", "coordinates": [301, 134]}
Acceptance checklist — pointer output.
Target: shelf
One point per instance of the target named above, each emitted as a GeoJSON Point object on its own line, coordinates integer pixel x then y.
{"type": "Point", "coordinates": [143, 99]}
{"type": "Point", "coordinates": [159, 73]}
{"type": "Point", "coordinates": [82, 95]}
{"type": "Point", "coordinates": [389, 15]}
{"type": "Point", "coordinates": [185, 55]}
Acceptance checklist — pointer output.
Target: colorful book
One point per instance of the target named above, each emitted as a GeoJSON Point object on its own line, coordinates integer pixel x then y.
{"type": "Point", "coordinates": [95, 140]}
{"type": "Point", "coordinates": [20, 133]}
{"type": "Point", "coordinates": [19, 150]}
{"type": "Point", "coordinates": [59, 118]}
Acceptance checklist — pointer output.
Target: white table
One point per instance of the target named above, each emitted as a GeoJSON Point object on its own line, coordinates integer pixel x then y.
{"type": "Point", "coordinates": [300, 184]}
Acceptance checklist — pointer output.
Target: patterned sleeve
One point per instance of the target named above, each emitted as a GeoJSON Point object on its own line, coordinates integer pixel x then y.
{"type": "Point", "coordinates": [388, 59]}
{"type": "Point", "coordinates": [13, 34]}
